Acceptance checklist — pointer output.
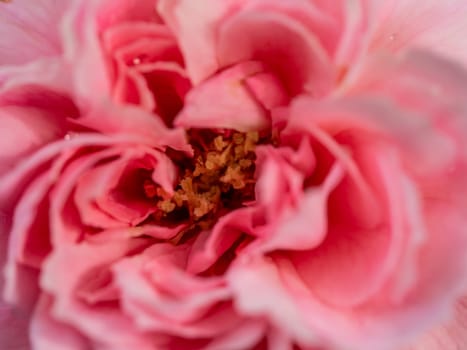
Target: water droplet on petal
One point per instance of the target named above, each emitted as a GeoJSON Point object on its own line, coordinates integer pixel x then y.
{"type": "Point", "coordinates": [136, 61]}
{"type": "Point", "coordinates": [68, 136]}
{"type": "Point", "coordinates": [392, 37]}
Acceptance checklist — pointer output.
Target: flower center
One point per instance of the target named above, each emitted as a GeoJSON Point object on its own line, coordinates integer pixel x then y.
{"type": "Point", "coordinates": [219, 178]}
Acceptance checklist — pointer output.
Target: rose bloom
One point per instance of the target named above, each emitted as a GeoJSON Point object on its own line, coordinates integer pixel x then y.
{"type": "Point", "coordinates": [231, 175]}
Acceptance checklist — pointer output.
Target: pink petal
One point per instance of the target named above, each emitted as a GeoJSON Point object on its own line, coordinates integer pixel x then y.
{"type": "Point", "coordinates": [281, 43]}
{"type": "Point", "coordinates": [302, 230]}
{"type": "Point", "coordinates": [112, 12]}
{"type": "Point", "coordinates": [292, 28]}
{"type": "Point", "coordinates": [267, 90]}
{"type": "Point", "coordinates": [63, 275]}
{"type": "Point", "coordinates": [280, 176]}
{"type": "Point", "coordinates": [437, 26]}
{"type": "Point", "coordinates": [243, 337]}
{"type": "Point", "coordinates": [186, 18]}
{"type": "Point", "coordinates": [83, 51]}
{"type": "Point", "coordinates": [165, 298]}
{"type": "Point", "coordinates": [51, 73]}
{"type": "Point", "coordinates": [30, 31]}
{"type": "Point", "coordinates": [29, 244]}
{"type": "Point", "coordinates": [170, 85]}
{"type": "Point", "coordinates": [249, 279]}
{"type": "Point", "coordinates": [65, 223]}
{"type": "Point", "coordinates": [135, 47]}
{"type": "Point", "coordinates": [23, 130]}
{"type": "Point", "coordinates": [13, 328]}
{"type": "Point", "coordinates": [210, 245]}
{"type": "Point", "coordinates": [131, 120]}
{"type": "Point", "coordinates": [235, 108]}
{"type": "Point", "coordinates": [450, 335]}
{"type": "Point", "coordinates": [115, 189]}
{"type": "Point", "coordinates": [47, 333]}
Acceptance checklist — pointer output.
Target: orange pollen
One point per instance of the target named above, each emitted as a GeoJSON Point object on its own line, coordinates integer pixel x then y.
{"type": "Point", "coordinates": [220, 176]}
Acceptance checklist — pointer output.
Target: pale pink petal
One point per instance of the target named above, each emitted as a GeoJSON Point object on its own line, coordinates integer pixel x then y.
{"type": "Point", "coordinates": [30, 30]}
{"type": "Point", "coordinates": [23, 130]}
{"type": "Point", "coordinates": [352, 265]}
{"type": "Point", "coordinates": [65, 222]}
{"type": "Point", "coordinates": [131, 87]}
{"type": "Point", "coordinates": [187, 17]}
{"type": "Point", "coordinates": [450, 335]}
{"type": "Point", "coordinates": [281, 43]}
{"type": "Point", "coordinates": [278, 34]}
{"type": "Point", "coordinates": [160, 296]}
{"type": "Point", "coordinates": [51, 73]}
{"type": "Point", "coordinates": [267, 90]}
{"type": "Point", "coordinates": [433, 25]}
{"type": "Point", "coordinates": [126, 39]}
{"type": "Point", "coordinates": [235, 107]}
{"type": "Point", "coordinates": [136, 47]}
{"type": "Point", "coordinates": [280, 176]}
{"type": "Point", "coordinates": [243, 337]}
{"type": "Point", "coordinates": [83, 51]}
{"type": "Point", "coordinates": [63, 275]}
{"type": "Point", "coordinates": [126, 120]}
{"type": "Point", "coordinates": [355, 19]}
{"type": "Point", "coordinates": [125, 233]}
{"type": "Point", "coordinates": [115, 189]}
{"type": "Point", "coordinates": [299, 230]}
{"type": "Point", "coordinates": [249, 278]}
{"type": "Point", "coordinates": [210, 245]}
{"type": "Point", "coordinates": [279, 185]}
{"type": "Point", "coordinates": [48, 334]}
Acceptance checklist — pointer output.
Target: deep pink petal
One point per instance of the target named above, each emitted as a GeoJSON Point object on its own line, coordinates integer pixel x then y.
{"type": "Point", "coordinates": [13, 328]}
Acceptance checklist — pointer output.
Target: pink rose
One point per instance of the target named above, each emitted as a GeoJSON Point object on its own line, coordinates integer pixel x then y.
{"type": "Point", "coordinates": [226, 175]}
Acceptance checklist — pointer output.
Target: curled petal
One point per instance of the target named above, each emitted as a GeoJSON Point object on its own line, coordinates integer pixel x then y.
{"type": "Point", "coordinates": [235, 107]}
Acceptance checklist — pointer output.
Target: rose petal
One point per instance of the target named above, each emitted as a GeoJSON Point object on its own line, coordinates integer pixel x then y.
{"type": "Point", "coordinates": [47, 333]}
{"type": "Point", "coordinates": [437, 26]}
{"type": "Point", "coordinates": [235, 108]}
{"type": "Point", "coordinates": [279, 42]}
{"type": "Point", "coordinates": [249, 278]}
{"type": "Point", "coordinates": [167, 298]}
{"type": "Point", "coordinates": [303, 230]}
{"type": "Point", "coordinates": [62, 280]}
{"type": "Point", "coordinates": [29, 31]}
